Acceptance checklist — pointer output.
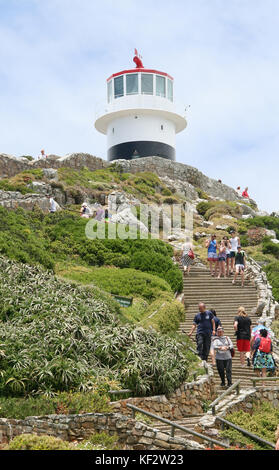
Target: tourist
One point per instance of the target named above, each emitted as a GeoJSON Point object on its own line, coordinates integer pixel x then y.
{"type": "Point", "coordinates": [238, 190]}
{"type": "Point", "coordinates": [256, 331]}
{"type": "Point", "coordinates": [85, 211]}
{"type": "Point", "coordinates": [107, 216]}
{"type": "Point", "coordinates": [212, 256]}
{"type": "Point", "coordinates": [204, 322]}
{"type": "Point", "coordinates": [53, 206]}
{"type": "Point", "coordinates": [217, 322]}
{"type": "Point", "coordinates": [240, 265]}
{"type": "Point", "coordinates": [187, 256]}
{"type": "Point", "coordinates": [228, 251]}
{"type": "Point", "coordinates": [100, 213]}
{"type": "Point", "coordinates": [42, 156]}
{"type": "Point", "coordinates": [222, 259]}
{"type": "Point", "coordinates": [223, 346]}
{"type": "Point", "coordinates": [242, 326]}
{"type": "Point", "coordinates": [263, 359]}
{"type": "Point", "coordinates": [245, 193]}
{"type": "Point", "coordinates": [234, 242]}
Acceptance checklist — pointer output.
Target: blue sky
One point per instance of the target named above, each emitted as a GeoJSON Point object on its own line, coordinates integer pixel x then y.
{"type": "Point", "coordinates": [55, 56]}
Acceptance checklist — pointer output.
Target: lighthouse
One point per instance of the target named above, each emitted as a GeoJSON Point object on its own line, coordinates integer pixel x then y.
{"type": "Point", "coordinates": [140, 117]}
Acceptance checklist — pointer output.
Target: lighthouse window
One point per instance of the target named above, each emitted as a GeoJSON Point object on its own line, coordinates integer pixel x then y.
{"type": "Point", "coordinates": [109, 91]}
{"type": "Point", "coordinates": [118, 87]}
{"type": "Point", "coordinates": [160, 86]}
{"type": "Point", "coordinates": [147, 84]}
{"type": "Point", "coordinates": [170, 90]}
{"type": "Point", "coordinates": [132, 84]}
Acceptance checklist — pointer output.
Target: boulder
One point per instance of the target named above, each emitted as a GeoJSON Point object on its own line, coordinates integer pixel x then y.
{"type": "Point", "coordinates": [270, 233]}
{"type": "Point", "coordinates": [222, 227]}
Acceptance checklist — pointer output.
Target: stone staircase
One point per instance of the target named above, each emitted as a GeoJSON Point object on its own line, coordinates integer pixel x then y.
{"type": "Point", "coordinates": [225, 298]}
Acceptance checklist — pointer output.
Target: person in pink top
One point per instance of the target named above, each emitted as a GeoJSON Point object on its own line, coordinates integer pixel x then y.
{"type": "Point", "coordinates": [245, 193]}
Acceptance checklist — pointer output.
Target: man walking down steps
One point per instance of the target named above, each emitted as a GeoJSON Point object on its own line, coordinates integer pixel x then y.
{"type": "Point", "coordinates": [204, 322]}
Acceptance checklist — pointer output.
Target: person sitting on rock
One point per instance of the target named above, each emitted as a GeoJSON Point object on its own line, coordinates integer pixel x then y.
{"type": "Point", "coordinates": [245, 193]}
{"type": "Point", "coordinates": [238, 190]}
{"type": "Point", "coordinates": [85, 211]}
{"type": "Point", "coordinates": [53, 205]}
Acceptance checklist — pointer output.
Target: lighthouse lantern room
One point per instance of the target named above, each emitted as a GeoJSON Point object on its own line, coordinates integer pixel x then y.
{"type": "Point", "coordinates": [139, 119]}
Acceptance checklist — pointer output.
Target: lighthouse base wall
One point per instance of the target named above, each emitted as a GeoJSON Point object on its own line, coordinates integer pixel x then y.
{"type": "Point", "coordinates": [142, 148]}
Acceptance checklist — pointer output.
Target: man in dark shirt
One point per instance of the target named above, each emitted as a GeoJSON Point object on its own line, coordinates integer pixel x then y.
{"type": "Point", "coordinates": [240, 265]}
{"type": "Point", "coordinates": [204, 322]}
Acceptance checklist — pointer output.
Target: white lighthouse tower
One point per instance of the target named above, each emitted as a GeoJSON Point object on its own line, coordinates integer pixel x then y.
{"type": "Point", "coordinates": [140, 119]}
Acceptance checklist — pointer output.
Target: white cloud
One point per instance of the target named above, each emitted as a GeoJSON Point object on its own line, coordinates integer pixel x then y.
{"type": "Point", "coordinates": [56, 54]}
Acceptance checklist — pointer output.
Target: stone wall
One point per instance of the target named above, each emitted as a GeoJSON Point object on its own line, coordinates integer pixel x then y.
{"type": "Point", "coordinates": [14, 199]}
{"type": "Point", "coordinates": [131, 433]}
{"type": "Point", "coordinates": [188, 399]}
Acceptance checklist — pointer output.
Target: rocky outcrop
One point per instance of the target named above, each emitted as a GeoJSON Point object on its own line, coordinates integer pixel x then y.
{"type": "Point", "coordinates": [183, 179]}
{"type": "Point", "coordinates": [180, 173]}
{"type": "Point", "coordinates": [14, 199]}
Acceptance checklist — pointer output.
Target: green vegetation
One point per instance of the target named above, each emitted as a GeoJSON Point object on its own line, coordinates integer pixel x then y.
{"type": "Point", "coordinates": [34, 442]}
{"type": "Point", "coordinates": [32, 237]}
{"type": "Point", "coordinates": [57, 336]}
{"type": "Point", "coordinates": [62, 403]}
{"type": "Point", "coordinates": [97, 441]}
{"type": "Point", "coordinates": [21, 181]}
{"type": "Point", "coordinates": [127, 282]}
{"type": "Point", "coordinates": [263, 422]}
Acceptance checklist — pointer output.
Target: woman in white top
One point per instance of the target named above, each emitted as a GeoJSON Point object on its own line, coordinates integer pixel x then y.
{"type": "Point", "coordinates": [235, 242]}
{"type": "Point", "coordinates": [186, 260]}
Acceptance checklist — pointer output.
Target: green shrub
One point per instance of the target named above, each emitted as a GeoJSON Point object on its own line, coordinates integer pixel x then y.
{"type": "Point", "coordinates": [270, 248]}
{"type": "Point", "coordinates": [34, 442]}
{"type": "Point", "coordinates": [263, 422]}
{"type": "Point", "coordinates": [100, 441]}
{"type": "Point", "coordinates": [272, 271]}
{"type": "Point", "coordinates": [60, 337]}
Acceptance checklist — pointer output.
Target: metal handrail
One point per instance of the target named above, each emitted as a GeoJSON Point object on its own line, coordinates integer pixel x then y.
{"type": "Point", "coordinates": [225, 393]}
{"type": "Point", "coordinates": [259, 379]}
{"type": "Point", "coordinates": [244, 431]}
{"type": "Point", "coordinates": [119, 392]}
{"type": "Point", "coordinates": [175, 426]}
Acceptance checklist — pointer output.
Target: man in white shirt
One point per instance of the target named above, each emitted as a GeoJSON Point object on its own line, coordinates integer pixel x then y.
{"type": "Point", "coordinates": [235, 242]}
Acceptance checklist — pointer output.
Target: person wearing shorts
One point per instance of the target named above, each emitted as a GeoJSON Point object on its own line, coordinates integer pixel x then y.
{"type": "Point", "coordinates": [222, 259]}
{"type": "Point", "coordinates": [240, 265]}
{"type": "Point", "coordinates": [228, 252]}
{"type": "Point", "coordinates": [234, 241]}
{"type": "Point", "coordinates": [243, 328]}
{"type": "Point", "coordinates": [212, 255]}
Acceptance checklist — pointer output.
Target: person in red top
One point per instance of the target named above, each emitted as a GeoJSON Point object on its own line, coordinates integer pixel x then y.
{"type": "Point", "coordinates": [245, 193]}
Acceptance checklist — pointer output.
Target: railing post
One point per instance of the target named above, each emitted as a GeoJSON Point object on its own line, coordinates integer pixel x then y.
{"type": "Point", "coordinates": [172, 431]}
{"type": "Point", "coordinates": [213, 410]}
{"type": "Point", "coordinates": [237, 389]}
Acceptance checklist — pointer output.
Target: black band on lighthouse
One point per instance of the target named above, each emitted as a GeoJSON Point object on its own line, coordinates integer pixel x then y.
{"type": "Point", "coordinates": [141, 148]}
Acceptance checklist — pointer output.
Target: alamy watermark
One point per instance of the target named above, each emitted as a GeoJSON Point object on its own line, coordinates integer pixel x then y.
{"type": "Point", "coordinates": [125, 221]}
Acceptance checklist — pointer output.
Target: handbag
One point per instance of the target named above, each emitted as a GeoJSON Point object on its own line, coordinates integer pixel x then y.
{"type": "Point", "coordinates": [232, 350]}
{"type": "Point", "coordinates": [191, 254]}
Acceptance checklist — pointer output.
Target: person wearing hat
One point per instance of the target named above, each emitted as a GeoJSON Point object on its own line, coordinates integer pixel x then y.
{"type": "Point", "coordinates": [240, 265]}
{"type": "Point", "coordinates": [223, 346]}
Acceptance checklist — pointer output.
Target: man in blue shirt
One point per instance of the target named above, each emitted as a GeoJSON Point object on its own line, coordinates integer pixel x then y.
{"type": "Point", "coordinates": [204, 322]}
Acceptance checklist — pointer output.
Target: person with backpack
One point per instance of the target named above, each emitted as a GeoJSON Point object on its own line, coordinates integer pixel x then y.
{"type": "Point", "coordinates": [263, 359]}
{"type": "Point", "coordinates": [240, 265]}
{"type": "Point", "coordinates": [223, 346]}
{"type": "Point", "coordinates": [187, 256]}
